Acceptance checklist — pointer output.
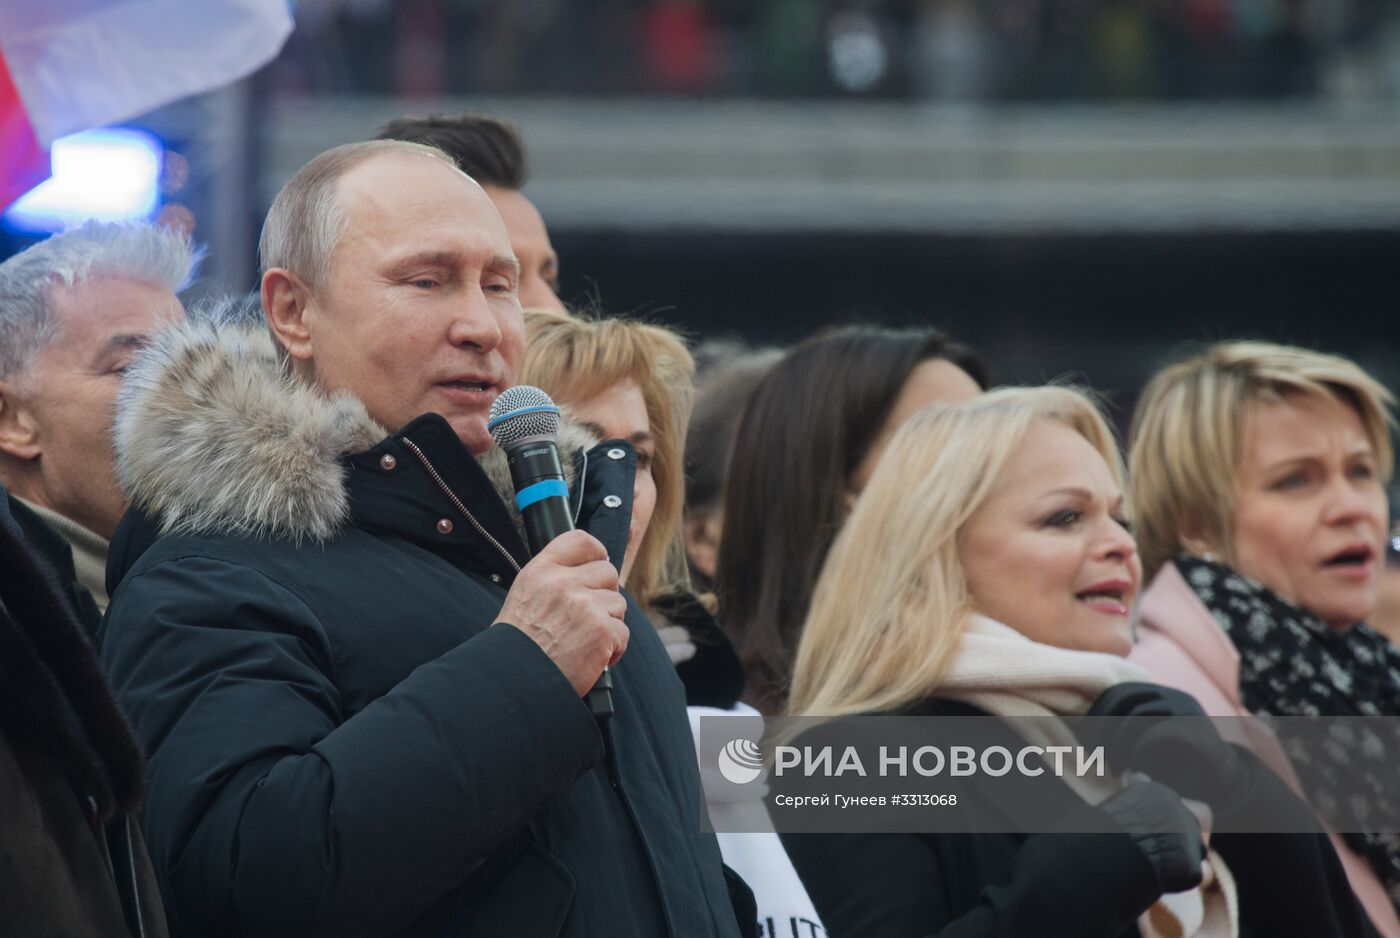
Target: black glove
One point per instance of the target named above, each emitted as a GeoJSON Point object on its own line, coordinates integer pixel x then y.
{"type": "Point", "coordinates": [1164, 829]}
{"type": "Point", "coordinates": [1165, 734]}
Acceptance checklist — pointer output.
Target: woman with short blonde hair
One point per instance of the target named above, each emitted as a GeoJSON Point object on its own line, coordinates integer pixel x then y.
{"type": "Point", "coordinates": [575, 360]}
{"type": "Point", "coordinates": [1258, 475]}
{"type": "Point", "coordinates": [987, 570]}
{"type": "Point", "coordinates": [1189, 429]}
{"type": "Point", "coordinates": [630, 380]}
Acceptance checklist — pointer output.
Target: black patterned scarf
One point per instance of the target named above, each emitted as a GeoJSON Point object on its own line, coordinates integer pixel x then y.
{"type": "Point", "coordinates": [1292, 664]}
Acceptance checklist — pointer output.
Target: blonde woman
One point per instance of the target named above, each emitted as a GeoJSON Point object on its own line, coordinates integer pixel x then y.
{"type": "Point", "coordinates": [627, 380]}
{"type": "Point", "coordinates": [621, 379]}
{"type": "Point", "coordinates": [630, 381]}
{"type": "Point", "coordinates": [1259, 475]}
{"type": "Point", "coordinates": [987, 569]}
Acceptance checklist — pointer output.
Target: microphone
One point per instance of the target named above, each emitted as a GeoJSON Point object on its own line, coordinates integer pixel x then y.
{"type": "Point", "coordinates": [524, 422]}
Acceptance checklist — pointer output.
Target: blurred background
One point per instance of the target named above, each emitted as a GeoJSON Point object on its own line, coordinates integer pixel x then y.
{"type": "Point", "coordinates": [1077, 187]}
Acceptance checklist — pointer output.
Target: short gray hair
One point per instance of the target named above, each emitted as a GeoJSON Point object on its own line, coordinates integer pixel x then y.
{"type": "Point", "coordinates": [130, 250]}
{"type": "Point", "coordinates": [306, 220]}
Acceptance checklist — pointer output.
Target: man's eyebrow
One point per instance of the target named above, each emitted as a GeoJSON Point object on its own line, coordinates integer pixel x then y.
{"type": "Point", "coordinates": [413, 262]}
{"type": "Point", "coordinates": [123, 341]}
{"type": "Point", "coordinates": [438, 259]}
{"type": "Point", "coordinates": [508, 261]}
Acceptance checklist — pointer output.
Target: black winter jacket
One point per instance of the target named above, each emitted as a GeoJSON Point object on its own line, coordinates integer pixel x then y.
{"type": "Point", "coordinates": [341, 743]}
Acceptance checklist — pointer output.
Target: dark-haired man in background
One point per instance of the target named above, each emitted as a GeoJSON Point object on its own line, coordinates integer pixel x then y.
{"type": "Point", "coordinates": [491, 152]}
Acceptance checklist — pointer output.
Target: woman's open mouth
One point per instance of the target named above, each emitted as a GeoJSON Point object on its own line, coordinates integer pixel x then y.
{"type": "Point", "coordinates": [1110, 598]}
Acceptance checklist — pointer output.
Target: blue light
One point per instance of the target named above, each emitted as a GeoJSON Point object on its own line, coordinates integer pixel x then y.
{"type": "Point", "coordinates": [109, 174]}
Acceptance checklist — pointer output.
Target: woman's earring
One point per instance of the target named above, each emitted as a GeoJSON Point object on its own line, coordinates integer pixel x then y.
{"type": "Point", "coordinates": [1207, 556]}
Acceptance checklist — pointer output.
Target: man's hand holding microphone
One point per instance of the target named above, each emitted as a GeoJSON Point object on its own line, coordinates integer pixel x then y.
{"type": "Point", "coordinates": [567, 598]}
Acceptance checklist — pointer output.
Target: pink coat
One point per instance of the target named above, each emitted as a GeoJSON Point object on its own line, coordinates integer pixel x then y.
{"type": "Point", "coordinates": [1181, 645]}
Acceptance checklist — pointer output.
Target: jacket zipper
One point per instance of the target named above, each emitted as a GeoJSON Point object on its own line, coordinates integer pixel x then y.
{"type": "Point", "coordinates": [95, 818]}
{"type": "Point", "coordinates": [101, 831]}
{"type": "Point", "coordinates": [457, 502]}
{"type": "Point", "coordinates": [135, 888]}
{"type": "Point", "coordinates": [615, 777]}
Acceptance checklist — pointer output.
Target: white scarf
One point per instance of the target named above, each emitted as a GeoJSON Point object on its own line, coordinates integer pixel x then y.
{"type": "Point", "coordinates": [1001, 671]}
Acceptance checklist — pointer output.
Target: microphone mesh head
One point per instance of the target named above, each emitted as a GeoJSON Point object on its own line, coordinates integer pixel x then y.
{"type": "Point", "coordinates": [520, 412]}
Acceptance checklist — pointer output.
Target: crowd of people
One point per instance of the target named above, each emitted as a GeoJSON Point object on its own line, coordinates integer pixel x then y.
{"type": "Point", "coordinates": [948, 50]}
{"type": "Point", "coordinates": [276, 659]}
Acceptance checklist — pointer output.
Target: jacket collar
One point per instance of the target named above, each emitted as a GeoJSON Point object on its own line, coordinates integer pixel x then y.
{"type": "Point", "coordinates": [86, 550]}
{"type": "Point", "coordinates": [423, 485]}
{"type": "Point", "coordinates": [52, 692]}
{"type": "Point", "coordinates": [214, 437]}
{"type": "Point", "coordinates": [52, 551]}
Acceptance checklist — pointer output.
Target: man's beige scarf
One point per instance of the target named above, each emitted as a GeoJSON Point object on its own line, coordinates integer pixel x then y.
{"type": "Point", "coordinates": [1001, 671]}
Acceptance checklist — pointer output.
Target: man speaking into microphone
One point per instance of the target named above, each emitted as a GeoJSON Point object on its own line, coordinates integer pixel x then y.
{"type": "Point", "coordinates": [361, 697]}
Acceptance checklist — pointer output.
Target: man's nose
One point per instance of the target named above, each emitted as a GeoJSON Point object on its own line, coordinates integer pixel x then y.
{"type": "Point", "coordinates": [475, 325]}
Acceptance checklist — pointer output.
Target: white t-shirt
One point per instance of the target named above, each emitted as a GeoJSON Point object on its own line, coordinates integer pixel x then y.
{"type": "Point", "coordinates": [784, 909]}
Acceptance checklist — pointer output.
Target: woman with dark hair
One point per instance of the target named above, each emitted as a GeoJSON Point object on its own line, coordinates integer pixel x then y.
{"type": "Point", "coordinates": [726, 372]}
{"type": "Point", "coordinates": [807, 443]}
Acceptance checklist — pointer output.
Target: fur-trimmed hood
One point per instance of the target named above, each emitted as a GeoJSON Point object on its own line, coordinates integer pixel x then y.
{"type": "Point", "coordinates": [213, 436]}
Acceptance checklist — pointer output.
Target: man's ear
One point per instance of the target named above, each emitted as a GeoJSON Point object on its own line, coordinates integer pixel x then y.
{"type": "Point", "coordinates": [19, 437]}
{"type": "Point", "coordinates": [284, 300]}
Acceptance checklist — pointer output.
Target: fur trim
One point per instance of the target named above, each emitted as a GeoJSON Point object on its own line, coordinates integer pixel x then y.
{"type": "Point", "coordinates": [214, 436]}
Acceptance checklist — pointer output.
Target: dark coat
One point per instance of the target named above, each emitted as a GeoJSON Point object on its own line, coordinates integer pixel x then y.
{"type": "Point", "coordinates": [1076, 885]}
{"type": "Point", "coordinates": [342, 743]}
{"type": "Point", "coordinates": [56, 555]}
{"type": "Point", "coordinates": [713, 676]}
{"type": "Point", "coordinates": [72, 864]}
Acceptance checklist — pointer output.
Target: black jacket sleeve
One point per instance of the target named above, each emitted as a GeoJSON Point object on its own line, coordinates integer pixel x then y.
{"type": "Point", "coordinates": [273, 812]}
{"type": "Point", "coordinates": [897, 885]}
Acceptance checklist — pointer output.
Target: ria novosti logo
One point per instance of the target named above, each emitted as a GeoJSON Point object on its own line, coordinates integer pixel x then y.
{"type": "Point", "coordinates": [741, 761]}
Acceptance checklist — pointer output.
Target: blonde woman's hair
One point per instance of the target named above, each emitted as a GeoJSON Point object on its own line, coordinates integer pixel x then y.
{"type": "Point", "coordinates": [574, 358]}
{"type": "Point", "coordinates": [891, 603]}
{"type": "Point", "coordinates": [1187, 436]}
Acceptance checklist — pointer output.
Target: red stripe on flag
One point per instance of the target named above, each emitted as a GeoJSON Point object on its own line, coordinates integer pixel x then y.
{"type": "Point", "coordinates": [23, 163]}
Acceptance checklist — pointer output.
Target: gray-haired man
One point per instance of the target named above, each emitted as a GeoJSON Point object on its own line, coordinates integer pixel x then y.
{"type": "Point", "coordinates": [73, 311]}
